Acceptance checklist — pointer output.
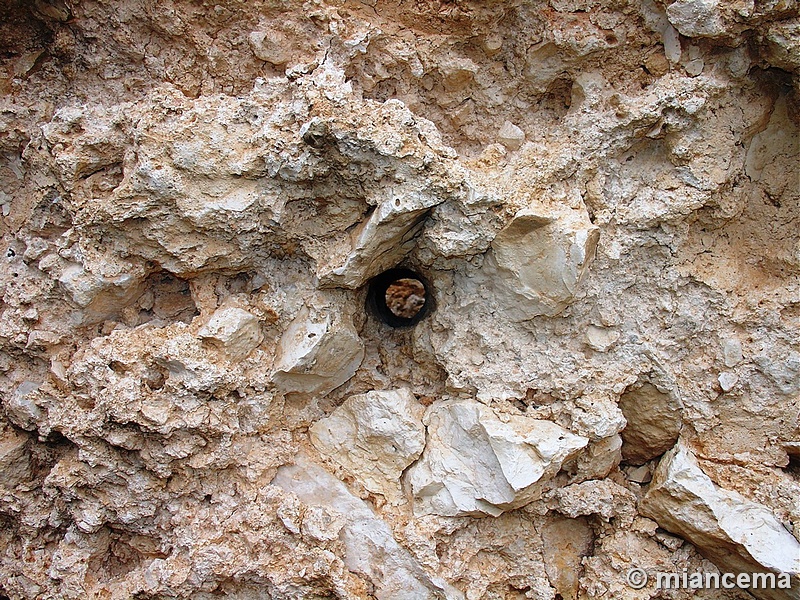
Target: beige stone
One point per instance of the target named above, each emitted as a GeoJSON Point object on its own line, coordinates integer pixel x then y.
{"type": "Point", "coordinates": [236, 331]}
{"type": "Point", "coordinates": [600, 197]}
{"type": "Point", "coordinates": [736, 533]}
{"type": "Point", "coordinates": [540, 258]}
{"type": "Point", "coordinates": [511, 136]}
{"type": "Point", "coordinates": [476, 464]}
{"type": "Point", "coordinates": [375, 436]}
{"type": "Point", "coordinates": [318, 352]}
{"type": "Point", "coordinates": [370, 548]}
{"type": "Point", "coordinates": [654, 422]}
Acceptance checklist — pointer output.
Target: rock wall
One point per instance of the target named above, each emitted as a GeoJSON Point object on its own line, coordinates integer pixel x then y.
{"type": "Point", "coordinates": [199, 397]}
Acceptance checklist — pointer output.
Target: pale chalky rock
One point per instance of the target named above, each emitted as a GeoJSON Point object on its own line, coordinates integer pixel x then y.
{"type": "Point", "coordinates": [735, 533]}
{"type": "Point", "coordinates": [598, 497]}
{"type": "Point", "coordinates": [375, 436]}
{"type": "Point", "coordinates": [270, 46]}
{"type": "Point", "coordinates": [21, 407]}
{"type": "Point", "coordinates": [511, 136]}
{"type": "Point", "coordinates": [539, 259]}
{"type": "Point", "coordinates": [783, 44]}
{"type": "Point", "coordinates": [476, 464]}
{"type": "Point", "coordinates": [397, 210]}
{"type": "Point", "coordinates": [696, 18]}
{"type": "Point", "coordinates": [599, 459]}
{"type": "Point", "coordinates": [159, 165]}
{"type": "Point", "coordinates": [99, 296]}
{"type": "Point", "coordinates": [370, 548]}
{"type": "Point", "coordinates": [383, 240]}
{"type": "Point", "coordinates": [236, 331]}
{"type": "Point", "coordinates": [318, 352]}
{"type": "Point", "coordinates": [601, 338]}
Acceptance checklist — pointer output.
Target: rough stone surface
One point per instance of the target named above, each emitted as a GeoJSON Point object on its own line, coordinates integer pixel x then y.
{"type": "Point", "coordinates": [237, 331]}
{"type": "Point", "coordinates": [369, 545]}
{"type": "Point", "coordinates": [475, 464]}
{"type": "Point", "coordinates": [739, 535]}
{"type": "Point", "coordinates": [375, 436]}
{"type": "Point", "coordinates": [599, 196]}
{"type": "Point", "coordinates": [653, 422]}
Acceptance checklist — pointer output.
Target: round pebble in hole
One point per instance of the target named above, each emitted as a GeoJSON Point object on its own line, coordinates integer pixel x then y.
{"type": "Point", "coordinates": [399, 297]}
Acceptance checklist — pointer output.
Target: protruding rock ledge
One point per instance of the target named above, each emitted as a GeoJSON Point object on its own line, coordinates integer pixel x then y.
{"type": "Point", "coordinates": [375, 436]}
{"type": "Point", "coordinates": [319, 351]}
{"type": "Point", "coordinates": [476, 464]}
{"type": "Point", "coordinates": [735, 533]}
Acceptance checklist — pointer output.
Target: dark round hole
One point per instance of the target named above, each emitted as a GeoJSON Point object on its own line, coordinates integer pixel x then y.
{"type": "Point", "coordinates": [399, 297]}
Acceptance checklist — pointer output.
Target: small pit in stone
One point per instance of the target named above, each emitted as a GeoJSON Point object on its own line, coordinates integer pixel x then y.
{"type": "Point", "coordinates": [399, 297]}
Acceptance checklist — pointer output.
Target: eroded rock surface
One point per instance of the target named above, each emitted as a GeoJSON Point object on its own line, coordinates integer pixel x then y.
{"type": "Point", "coordinates": [739, 535]}
{"type": "Point", "coordinates": [475, 464]}
{"type": "Point", "coordinates": [198, 399]}
{"type": "Point", "coordinates": [375, 436]}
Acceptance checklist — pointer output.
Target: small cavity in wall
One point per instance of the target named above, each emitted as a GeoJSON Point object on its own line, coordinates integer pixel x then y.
{"type": "Point", "coordinates": [399, 297]}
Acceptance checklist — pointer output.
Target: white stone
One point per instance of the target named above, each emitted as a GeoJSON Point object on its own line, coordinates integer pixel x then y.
{"type": "Point", "coordinates": [539, 259]}
{"type": "Point", "coordinates": [15, 459]}
{"type": "Point", "coordinates": [694, 67]}
{"type": "Point", "coordinates": [370, 547]}
{"type": "Point", "coordinates": [672, 44]}
{"type": "Point", "coordinates": [597, 497]}
{"type": "Point", "coordinates": [727, 380]}
{"type": "Point", "coordinates": [318, 352]}
{"type": "Point", "coordinates": [457, 73]}
{"type": "Point", "coordinates": [737, 534]}
{"type": "Point", "coordinates": [783, 45]}
{"type": "Point", "coordinates": [21, 407]}
{"type": "Point", "coordinates": [375, 436]}
{"type": "Point", "coordinates": [383, 240]}
{"type": "Point", "coordinates": [236, 331]}
{"type": "Point", "coordinates": [100, 296]}
{"type": "Point", "coordinates": [476, 464]}
{"type": "Point", "coordinates": [511, 136]}
{"type": "Point", "coordinates": [601, 338]}
{"type": "Point", "coordinates": [696, 18]}
{"type": "Point", "coordinates": [732, 352]}
{"type": "Point", "coordinates": [599, 459]}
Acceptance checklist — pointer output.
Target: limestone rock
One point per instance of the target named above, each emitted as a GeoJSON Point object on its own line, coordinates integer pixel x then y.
{"type": "Point", "coordinates": [22, 408]}
{"type": "Point", "coordinates": [371, 549]}
{"type": "Point", "coordinates": [101, 296]}
{"type": "Point", "coordinates": [654, 422]}
{"type": "Point", "coordinates": [783, 45]}
{"type": "Point", "coordinates": [566, 541]}
{"type": "Point", "coordinates": [737, 534]}
{"type": "Point", "coordinates": [476, 464]}
{"type": "Point", "coordinates": [602, 497]}
{"type": "Point", "coordinates": [318, 352]}
{"type": "Point", "coordinates": [599, 196]}
{"type": "Point", "coordinates": [236, 331]}
{"type": "Point", "coordinates": [727, 380]}
{"type": "Point", "coordinates": [539, 259]}
{"type": "Point", "coordinates": [511, 136]}
{"type": "Point", "coordinates": [383, 240]}
{"type": "Point", "coordinates": [696, 18]}
{"type": "Point", "coordinates": [601, 338]}
{"type": "Point", "coordinates": [600, 458]}
{"type": "Point", "coordinates": [270, 46]}
{"type": "Point", "coordinates": [375, 436]}
{"type": "Point", "coordinates": [15, 460]}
